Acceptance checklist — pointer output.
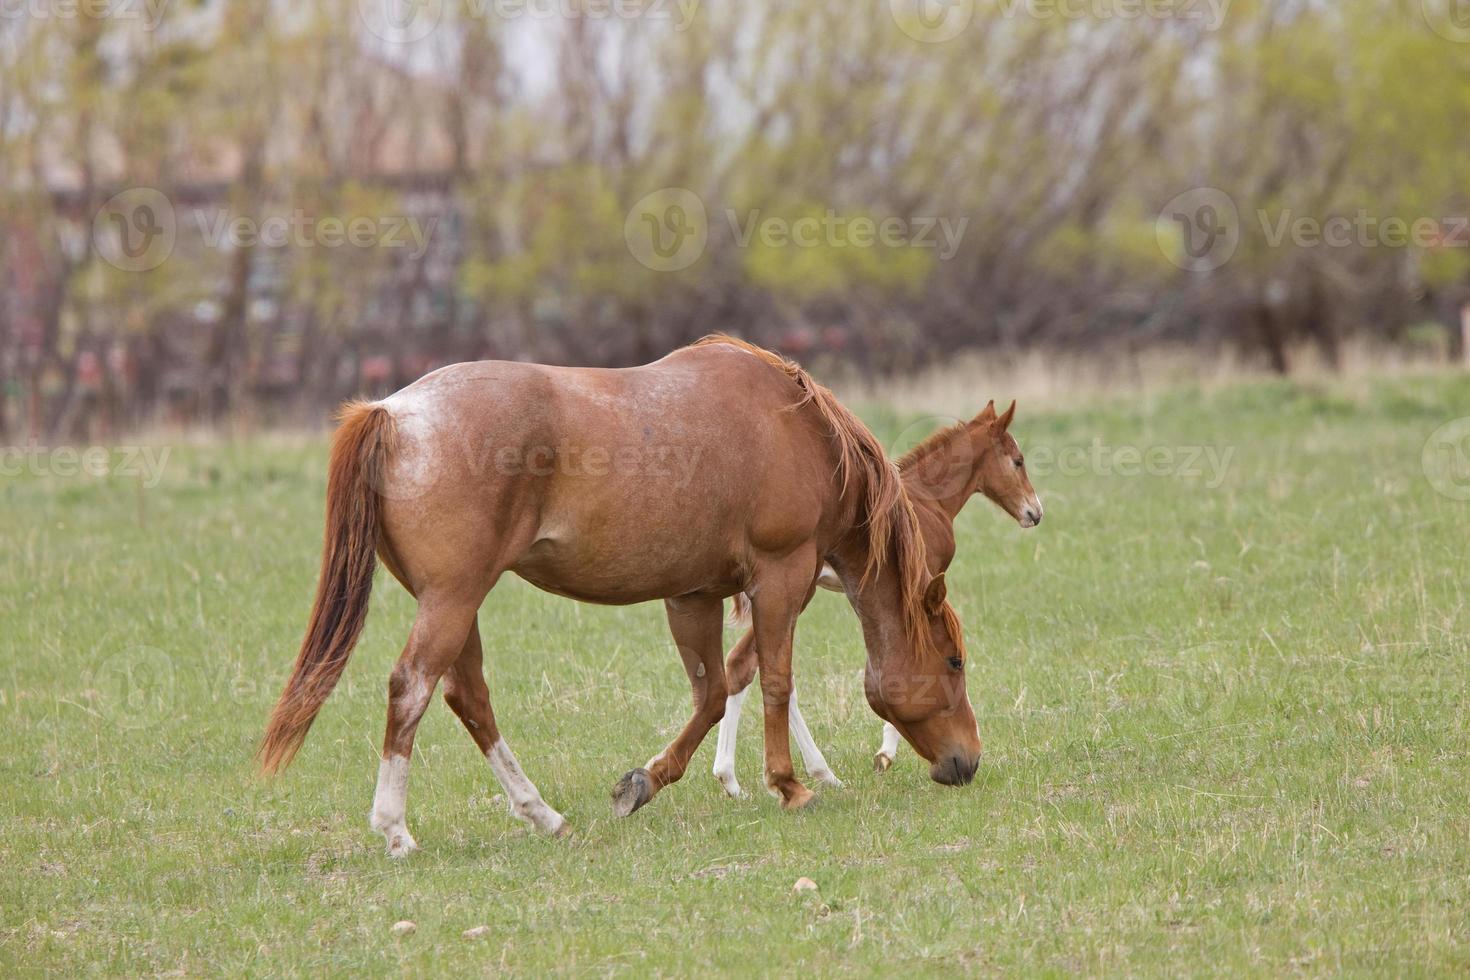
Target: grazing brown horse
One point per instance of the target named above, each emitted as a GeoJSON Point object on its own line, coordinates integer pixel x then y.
{"type": "Point", "coordinates": [718, 470]}
{"type": "Point", "coordinates": [940, 475]}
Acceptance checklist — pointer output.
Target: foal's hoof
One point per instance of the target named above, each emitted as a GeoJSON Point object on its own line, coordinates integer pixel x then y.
{"type": "Point", "coordinates": [826, 778]}
{"type": "Point", "coordinates": [882, 761]}
{"type": "Point", "coordinates": [401, 844]}
{"type": "Point", "coordinates": [631, 792]}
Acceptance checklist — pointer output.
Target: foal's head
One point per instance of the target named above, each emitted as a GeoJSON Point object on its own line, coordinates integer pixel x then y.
{"type": "Point", "coordinates": [978, 456]}
{"type": "Point", "coordinates": [1000, 469]}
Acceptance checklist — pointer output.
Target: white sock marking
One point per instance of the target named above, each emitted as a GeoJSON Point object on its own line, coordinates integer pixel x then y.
{"type": "Point", "coordinates": [525, 799]}
{"type": "Point", "coordinates": [811, 756]}
{"type": "Point", "coordinates": [724, 769]}
{"type": "Point", "coordinates": [889, 749]}
{"type": "Point", "coordinates": [390, 805]}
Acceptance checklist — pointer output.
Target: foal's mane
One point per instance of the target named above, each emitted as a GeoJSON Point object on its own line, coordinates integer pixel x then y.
{"type": "Point", "coordinates": [885, 508]}
{"type": "Point", "coordinates": [931, 445]}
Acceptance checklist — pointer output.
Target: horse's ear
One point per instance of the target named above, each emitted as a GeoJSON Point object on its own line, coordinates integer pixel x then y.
{"type": "Point", "coordinates": [1004, 422]}
{"type": "Point", "coordinates": [987, 414]}
{"type": "Point", "coordinates": [934, 594]}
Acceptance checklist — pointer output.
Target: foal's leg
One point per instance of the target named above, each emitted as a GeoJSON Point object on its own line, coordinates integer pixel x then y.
{"type": "Point", "coordinates": [697, 625]}
{"type": "Point", "coordinates": [811, 756]}
{"type": "Point", "coordinates": [782, 593]}
{"type": "Point", "coordinates": [438, 635]}
{"type": "Point", "coordinates": [466, 694]}
{"type": "Point", "coordinates": [739, 672]}
{"type": "Point", "coordinates": [889, 750]}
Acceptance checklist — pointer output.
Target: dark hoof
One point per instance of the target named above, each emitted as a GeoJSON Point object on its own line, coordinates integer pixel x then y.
{"type": "Point", "coordinates": [631, 792]}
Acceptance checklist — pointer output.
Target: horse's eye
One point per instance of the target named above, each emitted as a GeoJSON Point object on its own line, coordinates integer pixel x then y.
{"type": "Point", "coordinates": [1019, 462]}
{"type": "Point", "coordinates": [956, 663]}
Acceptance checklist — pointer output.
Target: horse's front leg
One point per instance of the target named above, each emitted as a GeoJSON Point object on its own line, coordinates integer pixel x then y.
{"type": "Point", "coordinates": [698, 628]}
{"type": "Point", "coordinates": [781, 593]}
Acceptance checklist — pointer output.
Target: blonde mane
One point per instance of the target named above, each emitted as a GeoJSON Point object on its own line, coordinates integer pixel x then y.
{"type": "Point", "coordinates": [885, 507]}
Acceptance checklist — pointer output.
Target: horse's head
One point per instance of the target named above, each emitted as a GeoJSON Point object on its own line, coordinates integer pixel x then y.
{"type": "Point", "coordinates": [1000, 470]}
{"type": "Point", "coordinates": [922, 692]}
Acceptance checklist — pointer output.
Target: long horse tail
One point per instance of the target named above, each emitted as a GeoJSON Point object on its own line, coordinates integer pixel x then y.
{"type": "Point", "coordinates": [363, 442]}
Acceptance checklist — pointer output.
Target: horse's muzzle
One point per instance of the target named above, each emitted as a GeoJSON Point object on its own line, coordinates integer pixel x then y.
{"type": "Point", "coordinates": [954, 769]}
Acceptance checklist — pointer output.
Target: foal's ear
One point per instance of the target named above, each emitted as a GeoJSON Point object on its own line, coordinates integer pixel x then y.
{"type": "Point", "coordinates": [1004, 422]}
{"type": "Point", "coordinates": [934, 595]}
{"type": "Point", "coordinates": [987, 414]}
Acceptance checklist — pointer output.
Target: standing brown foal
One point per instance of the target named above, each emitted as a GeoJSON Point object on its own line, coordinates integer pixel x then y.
{"type": "Point", "coordinates": [720, 469]}
{"type": "Point", "coordinates": [940, 475]}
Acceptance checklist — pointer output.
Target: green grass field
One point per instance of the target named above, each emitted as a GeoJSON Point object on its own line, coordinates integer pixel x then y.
{"type": "Point", "coordinates": [1225, 719]}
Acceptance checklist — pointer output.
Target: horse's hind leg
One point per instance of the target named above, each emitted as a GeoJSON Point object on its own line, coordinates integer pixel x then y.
{"type": "Point", "coordinates": [466, 694]}
{"type": "Point", "coordinates": [697, 625]}
{"type": "Point", "coordinates": [438, 635]}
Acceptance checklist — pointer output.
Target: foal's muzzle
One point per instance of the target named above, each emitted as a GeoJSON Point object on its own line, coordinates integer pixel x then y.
{"type": "Point", "coordinates": [954, 769]}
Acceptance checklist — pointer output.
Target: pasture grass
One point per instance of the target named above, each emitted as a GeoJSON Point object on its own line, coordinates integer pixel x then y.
{"type": "Point", "coordinates": [1225, 725]}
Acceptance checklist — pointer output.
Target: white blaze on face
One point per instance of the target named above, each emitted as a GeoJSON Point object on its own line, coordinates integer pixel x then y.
{"type": "Point", "coordinates": [390, 804]}
{"type": "Point", "coordinates": [525, 799]}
